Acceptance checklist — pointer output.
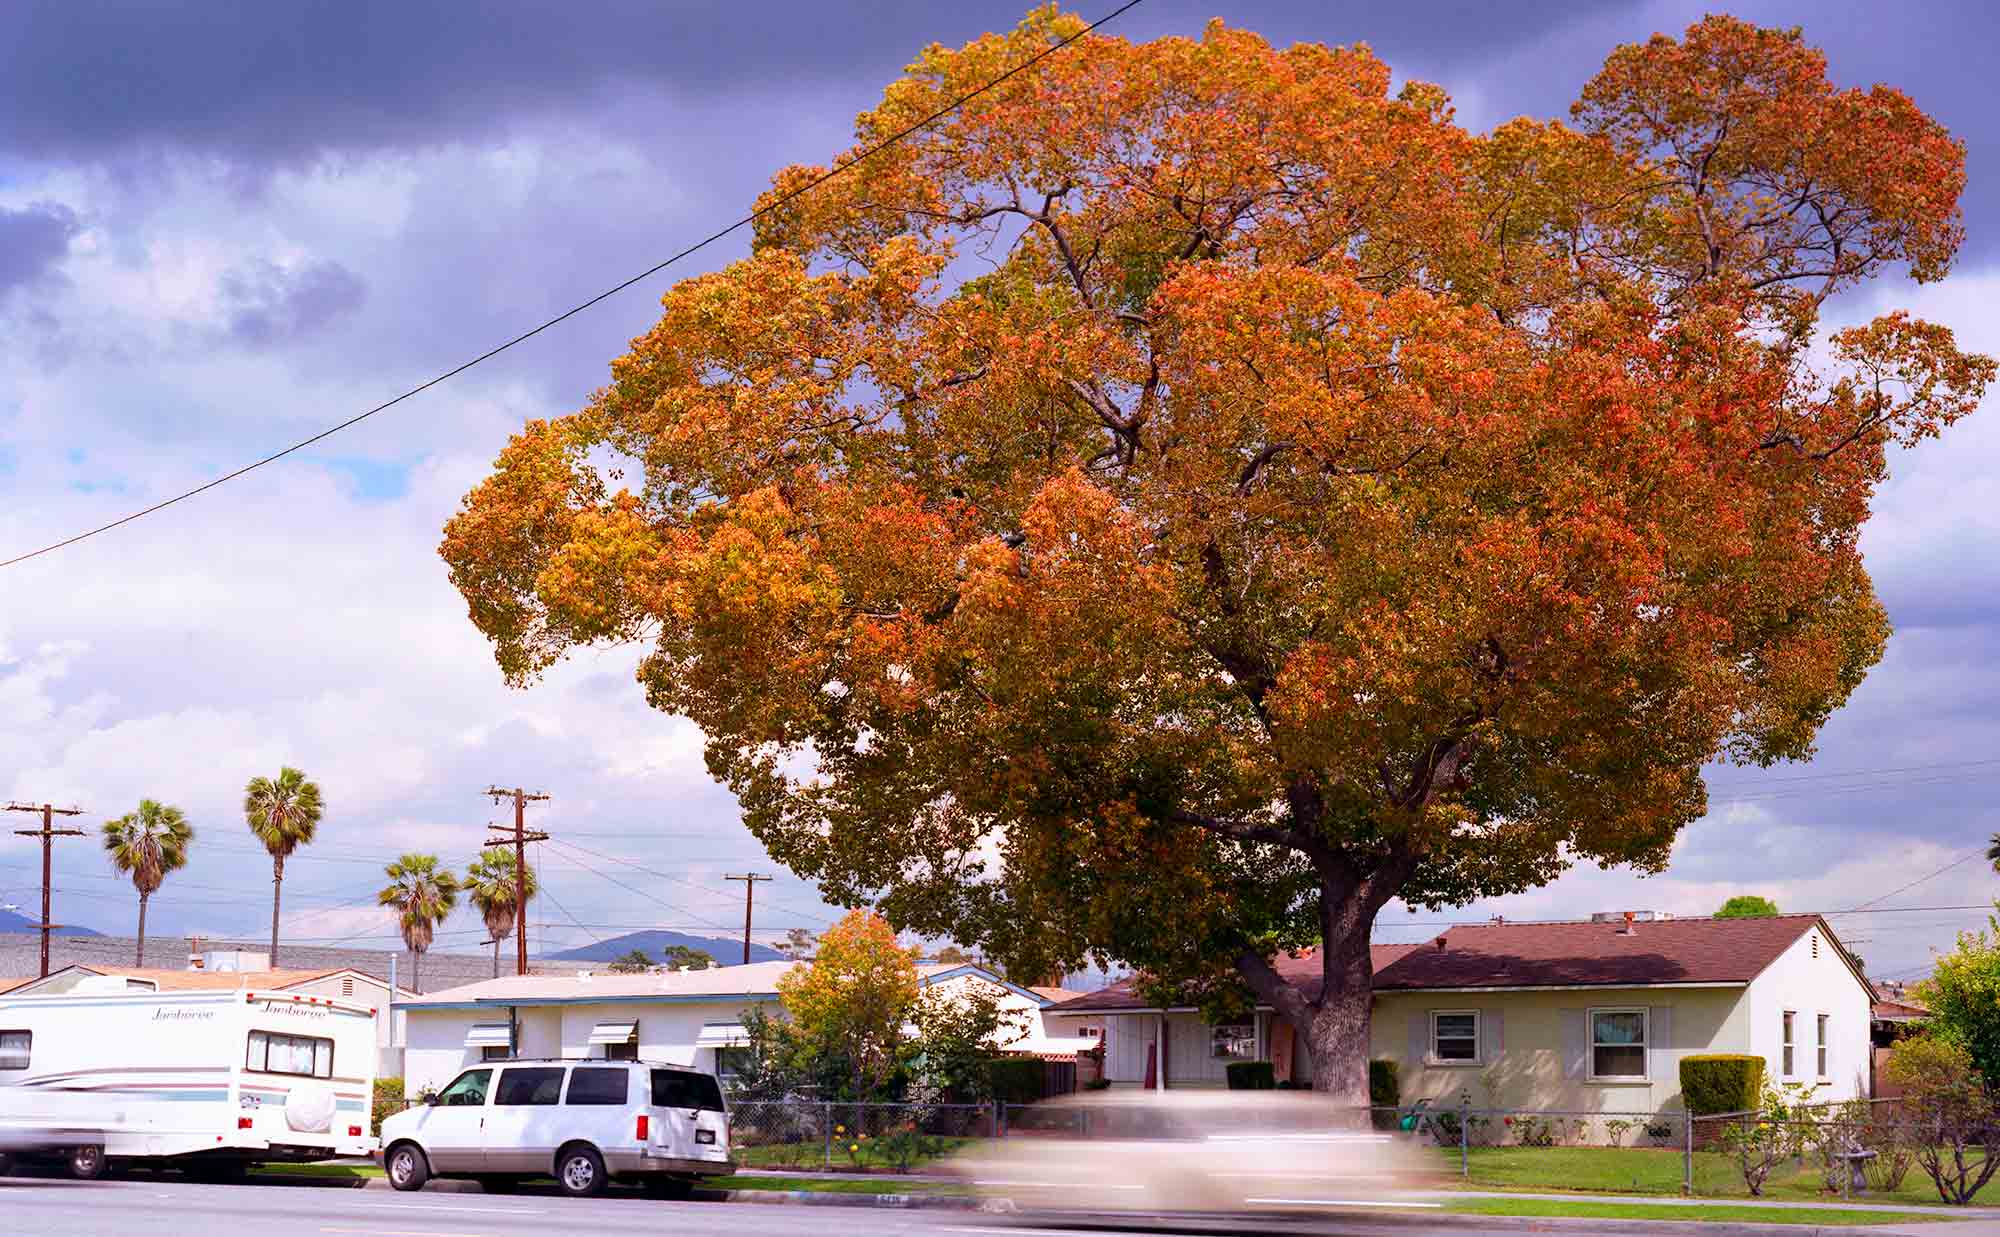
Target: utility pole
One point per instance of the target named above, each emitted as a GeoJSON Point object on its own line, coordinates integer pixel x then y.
{"type": "Point", "coordinates": [48, 833]}
{"type": "Point", "coordinates": [749, 880]}
{"type": "Point", "coordinates": [518, 839]}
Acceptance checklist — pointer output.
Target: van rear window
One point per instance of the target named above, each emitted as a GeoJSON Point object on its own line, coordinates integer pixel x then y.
{"type": "Point", "coordinates": [674, 1088]}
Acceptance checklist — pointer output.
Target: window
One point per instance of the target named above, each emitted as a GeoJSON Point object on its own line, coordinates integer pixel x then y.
{"type": "Point", "coordinates": [732, 1063]}
{"type": "Point", "coordinates": [673, 1088]}
{"type": "Point", "coordinates": [306, 1056]}
{"type": "Point", "coordinates": [14, 1048]}
{"type": "Point", "coordinates": [1790, 1018]}
{"type": "Point", "coordinates": [493, 1052]}
{"type": "Point", "coordinates": [529, 1085]}
{"type": "Point", "coordinates": [627, 1051]}
{"type": "Point", "coordinates": [1617, 1043]}
{"type": "Point", "coordinates": [598, 1086]}
{"type": "Point", "coordinates": [1820, 1044]}
{"type": "Point", "coordinates": [1455, 1037]}
{"type": "Point", "coordinates": [468, 1090]}
{"type": "Point", "coordinates": [1233, 1041]}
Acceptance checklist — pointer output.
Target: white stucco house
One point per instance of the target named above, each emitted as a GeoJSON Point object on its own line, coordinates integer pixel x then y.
{"type": "Point", "coordinates": [683, 1017]}
{"type": "Point", "coordinates": [1588, 1016]}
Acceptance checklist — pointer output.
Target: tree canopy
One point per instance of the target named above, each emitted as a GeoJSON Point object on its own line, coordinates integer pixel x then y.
{"type": "Point", "coordinates": [1192, 494]}
{"type": "Point", "coordinates": [1746, 906]}
{"type": "Point", "coordinates": [852, 1000]}
{"type": "Point", "coordinates": [1963, 995]}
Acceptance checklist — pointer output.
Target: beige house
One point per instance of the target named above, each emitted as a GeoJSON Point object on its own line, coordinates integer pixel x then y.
{"type": "Point", "coordinates": [1589, 1016]}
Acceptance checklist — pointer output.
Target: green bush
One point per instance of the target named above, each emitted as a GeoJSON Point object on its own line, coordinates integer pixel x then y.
{"type": "Point", "coordinates": [1016, 1080]}
{"type": "Point", "coordinates": [388, 1102]}
{"type": "Point", "coordinates": [1713, 1082]}
{"type": "Point", "coordinates": [1251, 1076]}
{"type": "Point", "coordinates": [1385, 1094]}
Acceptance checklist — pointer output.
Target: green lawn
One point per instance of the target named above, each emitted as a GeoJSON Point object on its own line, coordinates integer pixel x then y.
{"type": "Point", "coordinates": [1648, 1170]}
{"type": "Point", "coordinates": [349, 1172]}
{"type": "Point", "coordinates": [1665, 1211]}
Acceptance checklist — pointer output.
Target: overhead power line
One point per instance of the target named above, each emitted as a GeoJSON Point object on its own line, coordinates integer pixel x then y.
{"type": "Point", "coordinates": [776, 203]}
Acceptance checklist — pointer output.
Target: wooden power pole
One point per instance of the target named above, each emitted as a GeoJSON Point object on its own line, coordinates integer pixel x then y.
{"type": "Point", "coordinates": [518, 838]}
{"type": "Point", "coordinates": [48, 833]}
{"type": "Point", "coordinates": [749, 880]}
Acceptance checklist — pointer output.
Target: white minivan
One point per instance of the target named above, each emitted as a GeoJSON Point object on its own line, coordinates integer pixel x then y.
{"type": "Point", "coordinates": [583, 1122]}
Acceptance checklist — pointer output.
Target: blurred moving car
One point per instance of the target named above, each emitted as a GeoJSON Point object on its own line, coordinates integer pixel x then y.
{"type": "Point", "coordinates": [53, 1127]}
{"type": "Point", "coordinates": [1199, 1152]}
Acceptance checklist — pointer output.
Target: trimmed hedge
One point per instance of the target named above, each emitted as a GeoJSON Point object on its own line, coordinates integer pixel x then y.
{"type": "Point", "coordinates": [1251, 1075]}
{"type": "Point", "coordinates": [1016, 1080]}
{"type": "Point", "coordinates": [1713, 1082]}
{"type": "Point", "coordinates": [388, 1102]}
{"type": "Point", "coordinates": [1385, 1094]}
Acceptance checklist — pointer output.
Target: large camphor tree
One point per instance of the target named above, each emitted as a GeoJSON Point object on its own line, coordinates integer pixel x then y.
{"type": "Point", "coordinates": [1192, 495]}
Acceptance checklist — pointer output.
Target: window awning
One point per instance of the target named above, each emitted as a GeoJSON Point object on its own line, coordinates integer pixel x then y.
{"type": "Point", "coordinates": [489, 1035]}
{"type": "Point", "coordinates": [614, 1032]}
{"type": "Point", "coordinates": [723, 1035]}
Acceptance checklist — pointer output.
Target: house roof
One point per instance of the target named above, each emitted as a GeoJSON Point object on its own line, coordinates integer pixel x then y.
{"type": "Point", "coordinates": [1570, 954]}
{"type": "Point", "coordinates": [20, 955]}
{"type": "Point", "coordinates": [713, 983]}
{"type": "Point", "coordinates": [1054, 995]}
{"type": "Point", "coordinates": [1899, 1011]}
{"type": "Point", "coordinates": [169, 980]}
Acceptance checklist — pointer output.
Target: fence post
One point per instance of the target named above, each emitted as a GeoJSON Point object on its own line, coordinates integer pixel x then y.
{"type": "Point", "coordinates": [826, 1129]}
{"type": "Point", "coordinates": [1000, 1107]}
{"type": "Point", "coordinates": [1687, 1159]}
{"type": "Point", "coordinates": [1465, 1137]}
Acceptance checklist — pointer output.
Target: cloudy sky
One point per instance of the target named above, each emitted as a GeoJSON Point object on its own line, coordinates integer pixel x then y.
{"type": "Point", "coordinates": [227, 228]}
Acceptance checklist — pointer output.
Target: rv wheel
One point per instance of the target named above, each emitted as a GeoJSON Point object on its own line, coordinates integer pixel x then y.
{"type": "Point", "coordinates": [87, 1163]}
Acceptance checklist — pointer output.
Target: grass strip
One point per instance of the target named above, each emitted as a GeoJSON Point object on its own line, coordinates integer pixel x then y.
{"type": "Point", "coordinates": [1713, 1212]}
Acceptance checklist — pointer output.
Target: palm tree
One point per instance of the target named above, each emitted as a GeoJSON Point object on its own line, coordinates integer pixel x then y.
{"type": "Point", "coordinates": [1993, 852]}
{"type": "Point", "coordinates": [489, 884]}
{"type": "Point", "coordinates": [148, 844]}
{"type": "Point", "coordinates": [422, 894]}
{"type": "Point", "coordinates": [283, 814]}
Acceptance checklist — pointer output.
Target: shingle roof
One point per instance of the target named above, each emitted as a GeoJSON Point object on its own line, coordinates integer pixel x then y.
{"type": "Point", "coordinates": [20, 955]}
{"type": "Point", "coordinates": [1586, 954]}
{"type": "Point", "coordinates": [193, 981]}
{"type": "Point", "coordinates": [1552, 955]}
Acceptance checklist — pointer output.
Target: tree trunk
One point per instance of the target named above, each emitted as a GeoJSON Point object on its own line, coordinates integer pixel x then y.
{"type": "Point", "coordinates": [417, 971]}
{"type": "Point", "coordinates": [496, 957]}
{"type": "Point", "coordinates": [139, 956]}
{"type": "Point", "coordinates": [277, 892]}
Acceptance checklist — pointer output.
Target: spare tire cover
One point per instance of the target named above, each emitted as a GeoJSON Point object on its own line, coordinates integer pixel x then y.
{"type": "Point", "coordinates": [309, 1109]}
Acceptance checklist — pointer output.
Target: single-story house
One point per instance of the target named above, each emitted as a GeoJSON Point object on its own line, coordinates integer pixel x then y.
{"type": "Point", "coordinates": [345, 983]}
{"type": "Point", "coordinates": [1589, 1016]}
{"type": "Point", "coordinates": [683, 1017]}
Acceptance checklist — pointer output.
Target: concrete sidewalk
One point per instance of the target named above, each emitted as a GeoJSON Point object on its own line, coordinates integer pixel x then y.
{"type": "Point", "coordinates": [1984, 1214]}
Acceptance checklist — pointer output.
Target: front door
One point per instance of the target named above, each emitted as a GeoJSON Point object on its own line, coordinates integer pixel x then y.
{"type": "Point", "coordinates": [452, 1128]}
{"type": "Point", "coordinates": [524, 1122]}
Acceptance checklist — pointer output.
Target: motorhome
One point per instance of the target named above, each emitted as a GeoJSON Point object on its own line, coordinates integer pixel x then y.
{"type": "Point", "coordinates": [210, 1081]}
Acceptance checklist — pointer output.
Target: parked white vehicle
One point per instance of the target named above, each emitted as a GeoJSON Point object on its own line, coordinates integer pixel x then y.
{"type": "Point", "coordinates": [582, 1122]}
{"type": "Point", "coordinates": [210, 1081]}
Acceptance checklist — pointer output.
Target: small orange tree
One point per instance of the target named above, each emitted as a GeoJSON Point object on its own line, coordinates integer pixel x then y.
{"type": "Point", "coordinates": [1308, 503]}
{"type": "Point", "coordinates": [852, 1001]}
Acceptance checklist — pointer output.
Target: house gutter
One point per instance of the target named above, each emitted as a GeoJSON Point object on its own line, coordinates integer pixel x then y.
{"type": "Point", "coordinates": [1109, 1010]}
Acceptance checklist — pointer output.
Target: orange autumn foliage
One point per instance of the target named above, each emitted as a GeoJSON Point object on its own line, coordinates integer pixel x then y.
{"type": "Point", "coordinates": [1191, 495]}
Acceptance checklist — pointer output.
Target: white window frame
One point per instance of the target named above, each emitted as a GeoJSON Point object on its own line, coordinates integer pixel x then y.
{"type": "Point", "coordinates": [1215, 1029]}
{"type": "Point", "coordinates": [1788, 1033]}
{"type": "Point", "coordinates": [1478, 1058]}
{"type": "Point", "coordinates": [1822, 1057]}
{"type": "Point", "coordinates": [1645, 1044]}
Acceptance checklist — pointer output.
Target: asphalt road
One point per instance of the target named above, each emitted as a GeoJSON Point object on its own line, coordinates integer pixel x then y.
{"type": "Point", "coordinates": [47, 1207]}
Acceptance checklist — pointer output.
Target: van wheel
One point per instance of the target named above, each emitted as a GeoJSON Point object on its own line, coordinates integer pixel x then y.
{"type": "Point", "coordinates": [580, 1172]}
{"type": "Point", "coordinates": [87, 1163]}
{"type": "Point", "coordinates": [406, 1166]}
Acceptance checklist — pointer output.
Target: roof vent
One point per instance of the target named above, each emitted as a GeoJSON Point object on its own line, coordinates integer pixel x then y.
{"type": "Point", "coordinates": [1815, 944]}
{"type": "Point", "coordinates": [1439, 942]}
{"type": "Point", "coordinates": [1631, 919]}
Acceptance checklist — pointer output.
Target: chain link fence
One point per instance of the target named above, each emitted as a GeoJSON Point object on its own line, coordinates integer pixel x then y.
{"type": "Point", "coordinates": [832, 1136]}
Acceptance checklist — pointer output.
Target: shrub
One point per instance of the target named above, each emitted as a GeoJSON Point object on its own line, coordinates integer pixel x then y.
{"type": "Point", "coordinates": [1385, 1094]}
{"type": "Point", "coordinates": [1251, 1076]}
{"type": "Point", "coordinates": [1715, 1082]}
{"type": "Point", "coordinates": [1015, 1080]}
{"type": "Point", "coordinates": [1953, 1122]}
{"type": "Point", "coordinates": [388, 1102]}
{"type": "Point", "coordinates": [1098, 1084]}
{"type": "Point", "coordinates": [1615, 1130]}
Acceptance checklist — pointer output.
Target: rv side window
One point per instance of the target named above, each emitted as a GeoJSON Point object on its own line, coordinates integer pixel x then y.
{"type": "Point", "coordinates": [307, 1056]}
{"type": "Point", "coordinates": [14, 1048]}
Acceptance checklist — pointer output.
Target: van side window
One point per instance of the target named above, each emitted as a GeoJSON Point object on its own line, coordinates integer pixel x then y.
{"type": "Point", "coordinates": [14, 1048]}
{"type": "Point", "coordinates": [305, 1056]}
{"type": "Point", "coordinates": [598, 1086]}
{"type": "Point", "coordinates": [674, 1088]}
{"type": "Point", "coordinates": [529, 1085]}
{"type": "Point", "coordinates": [468, 1090]}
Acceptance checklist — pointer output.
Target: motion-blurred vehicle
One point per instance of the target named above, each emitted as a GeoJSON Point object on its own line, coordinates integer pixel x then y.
{"type": "Point", "coordinates": [209, 1082]}
{"type": "Point", "coordinates": [582, 1122]}
{"type": "Point", "coordinates": [1198, 1152]}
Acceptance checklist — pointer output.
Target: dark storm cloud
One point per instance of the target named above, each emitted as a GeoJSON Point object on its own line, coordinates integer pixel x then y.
{"type": "Point", "coordinates": [32, 240]}
{"type": "Point", "coordinates": [269, 304]}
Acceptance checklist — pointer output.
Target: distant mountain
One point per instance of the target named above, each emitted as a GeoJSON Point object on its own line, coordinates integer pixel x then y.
{"type": "Point", "coordinates": [722, 949]}
{"type": "Point", "coordinates": [11, 921]}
